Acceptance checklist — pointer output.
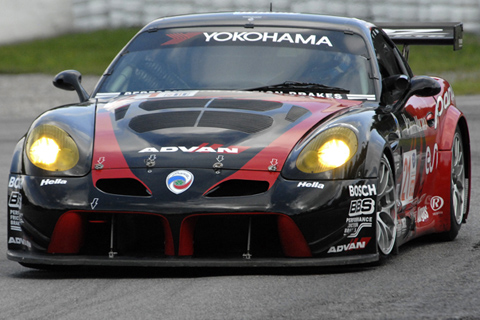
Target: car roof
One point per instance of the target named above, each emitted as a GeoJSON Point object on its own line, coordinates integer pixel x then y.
{"type": "Point", "coordinates": [252, 19]}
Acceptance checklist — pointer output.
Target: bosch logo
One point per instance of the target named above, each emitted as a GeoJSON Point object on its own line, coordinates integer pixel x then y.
{"type": "Point", "coordinates": [362, 191]}
{"type": "Point", "coordinates": [15, 182]}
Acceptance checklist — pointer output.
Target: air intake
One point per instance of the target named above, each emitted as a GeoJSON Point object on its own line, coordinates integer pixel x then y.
{"type": "Point", "coordinates": [123, 187]}
{"type": "Point", "coordinates": [238, 188]}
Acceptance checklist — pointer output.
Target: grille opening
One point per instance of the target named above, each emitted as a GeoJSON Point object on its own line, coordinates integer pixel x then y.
{"type": "Point", "coordinates": [123, 186]}
{"type": "Point", "coordinates": [226, 236]}
{"type": "Point", "coordinates": [134, 235]}
{"type": "Point", "coordinates": [237, 188]}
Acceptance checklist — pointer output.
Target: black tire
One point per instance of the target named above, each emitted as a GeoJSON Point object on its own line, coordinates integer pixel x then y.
{"type": "Point", "coordinates": [386, 209]}
{"type": "Point", "coordinates": [458, 197]}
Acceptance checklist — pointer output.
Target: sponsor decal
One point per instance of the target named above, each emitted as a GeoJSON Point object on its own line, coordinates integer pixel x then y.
{"type": "Point", "coordinates": [179, 181]}
{"type": "Point", "coordinates": [337, 96]}
{"type": "Point", "coordinates": [203, 148]}
{"type": "Point", "coordinates": [15, 200]}
{"type": "Point", "coordinates": [49, 182]}
{"type": "Point", "coordinates": [354, 244]}
{"type": "Point", "coordinates": [274, 37]}
{"type": "Point", "coordinates": [442, 104]}
{"type": "Point", "coordinates": [18, 240]}
{"type": "Point", "coordinates": [408, 177]}
{"type": "Point", "coordinates": [15, 204]}
{"type": "Point", "coordinates": [15, 182]}
{"type": "Point", "coordinates": [436, 203]}
{"type": "Point", "coordinates": [351, 96]}
{"type": "Point", "coordinates": [415, 126]}
{"type": "Point", "coordinates": [94, 203]}
{"type": "Point", "coordinates": [361, 207]}
{"type": "Point", "coordinates": [422, 214]}
{"type": "Point", "coordinates": [15, 220]}
{"type": "Point", "coordinates": [356, 224]}
{"type": "Point", "coordinates": [431, 159]}
{"type": "Point", "coordinates": [162, 94]}
{"type": "Point", "coordinates": [177, 38]}
{"type": "Point", "coordinates": [362, 191]}
{"type": "Point", "coordinates": [314, 185]}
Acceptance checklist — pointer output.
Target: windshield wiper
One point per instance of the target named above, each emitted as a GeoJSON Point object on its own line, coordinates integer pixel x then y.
{"type": "Point", "coordinates": [301, 86]}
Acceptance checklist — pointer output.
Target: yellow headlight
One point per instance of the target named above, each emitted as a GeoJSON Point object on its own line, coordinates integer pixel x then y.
{"type": "Point", "coordinates": [329, 150]}
{"type": "Point", "coordinates": [51, 148]}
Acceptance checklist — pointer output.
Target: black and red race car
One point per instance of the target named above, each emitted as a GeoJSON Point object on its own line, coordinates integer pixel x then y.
{"type": "Point", "coordinates": [245, 139]}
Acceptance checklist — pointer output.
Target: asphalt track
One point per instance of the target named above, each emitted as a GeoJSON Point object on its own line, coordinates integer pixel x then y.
{"type": "Point", "coordinates": [427, 280]}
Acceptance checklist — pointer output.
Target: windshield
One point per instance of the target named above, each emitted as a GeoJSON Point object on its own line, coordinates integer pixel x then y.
{"type": "Point", "coordinates": [235, 58]}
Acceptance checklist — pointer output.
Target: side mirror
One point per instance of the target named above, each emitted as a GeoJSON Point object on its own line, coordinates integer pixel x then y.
{"type": "Point", "coordinates": [71, 80]}
{"type": "Point", "coordinates": [400, 88]}
{"type": "Point", "coordinates": [424, 86]}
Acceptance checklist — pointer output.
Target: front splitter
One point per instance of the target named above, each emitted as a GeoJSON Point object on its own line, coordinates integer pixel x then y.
{"type": "Point", "coordinates": [76, 260]}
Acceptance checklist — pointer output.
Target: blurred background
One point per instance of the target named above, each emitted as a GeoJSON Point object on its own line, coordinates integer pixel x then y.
{"type": "Point", "coordinates": [26, 19]}
{"type": "Point", "coordinates": [46, 36]}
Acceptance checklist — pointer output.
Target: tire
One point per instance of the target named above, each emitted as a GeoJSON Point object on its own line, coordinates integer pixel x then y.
{"type": "Point", "coordinates": [386, 209]}
{"type": "Point", "coordinates": [458, 198]}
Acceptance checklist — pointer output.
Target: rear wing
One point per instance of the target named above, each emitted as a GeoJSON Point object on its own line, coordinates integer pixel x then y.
{"type": "Point", "coordinates": [435, 33]}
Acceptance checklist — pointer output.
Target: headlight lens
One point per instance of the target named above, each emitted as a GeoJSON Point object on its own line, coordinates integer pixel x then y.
{"type": "Point", "coordinates": [51, 148]}
{"type": "Point", "coordinates": [329, 150]}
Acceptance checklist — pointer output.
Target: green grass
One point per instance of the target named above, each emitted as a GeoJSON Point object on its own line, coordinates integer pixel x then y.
{"type": "Point", "coordinates": [461, 68]}
{"type": "Point", "coordinates": [90, 53]}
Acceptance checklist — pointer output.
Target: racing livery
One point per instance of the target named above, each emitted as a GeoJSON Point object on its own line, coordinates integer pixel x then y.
{"type": "Point", "coordinates": [245, 139]}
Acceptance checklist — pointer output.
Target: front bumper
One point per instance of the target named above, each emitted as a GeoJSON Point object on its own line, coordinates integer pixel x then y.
{"type": "Point", "coordinates": [69, 221]}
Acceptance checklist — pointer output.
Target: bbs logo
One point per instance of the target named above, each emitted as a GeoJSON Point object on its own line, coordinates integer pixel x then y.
{"type": "Point", "coordinates": [361, 207]}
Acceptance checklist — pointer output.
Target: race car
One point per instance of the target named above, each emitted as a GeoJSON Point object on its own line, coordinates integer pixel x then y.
{"type": "Point", "coordinates": [245, 139]}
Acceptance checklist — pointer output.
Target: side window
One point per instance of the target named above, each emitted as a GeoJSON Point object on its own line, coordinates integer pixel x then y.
{"type": "Point", "coordinates": [386, 57]}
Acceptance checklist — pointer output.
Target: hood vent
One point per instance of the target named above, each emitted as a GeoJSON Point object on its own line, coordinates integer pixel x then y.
{"type": "Point", "coordinates": [233, 104]}
{"type": "Point", "coordinates": [296, 113]}
{"type": "Point", "coordinates": [121, 112]}
{"type": "Point", "coordinates": [164, 120]}
{"type": "Point", "coordinates": [155, 105]}
{"type": "Point", "coordinates": [238, 121]}
{"type": "Point", "coordinates": [244, 122]}
{"type": "Point", "coordinates": [250, 105]}
{"type": "Point", "coordinates": [238, 188]}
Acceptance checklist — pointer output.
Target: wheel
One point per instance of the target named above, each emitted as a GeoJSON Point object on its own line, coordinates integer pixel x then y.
{"type": "Point", "coordinates": [457, 187]}
{"type": "Point", "coordinates": [386, 209]}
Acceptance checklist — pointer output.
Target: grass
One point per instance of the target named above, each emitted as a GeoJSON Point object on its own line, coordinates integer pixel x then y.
{"type": "Point", "coordinates": [90, 53]}
{"type": "Point", "coordinates": [461, 68]}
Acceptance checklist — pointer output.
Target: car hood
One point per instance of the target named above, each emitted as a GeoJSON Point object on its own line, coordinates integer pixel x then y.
{"type": "Point", "coordinates": [205, 129]}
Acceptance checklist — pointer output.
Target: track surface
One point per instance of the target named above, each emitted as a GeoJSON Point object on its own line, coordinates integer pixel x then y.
{"type": "Point", "coordinates": [427, 280]}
